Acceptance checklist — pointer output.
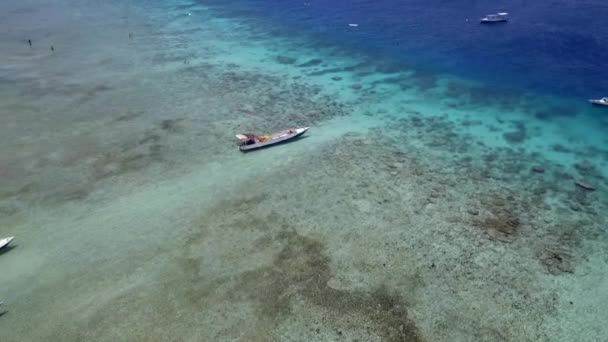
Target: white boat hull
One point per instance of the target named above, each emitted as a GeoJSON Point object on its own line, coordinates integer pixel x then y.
{"type": "Point", "coordinates": [495, 18]}
{"type": "Point", "coordinates": [4, 242]}
{"type": "Point", "coordinates": [599, 102]}
{"type": "Point", "coordinates": [493, 21]}
{"type": "Point", "coordinates": [276, 138]}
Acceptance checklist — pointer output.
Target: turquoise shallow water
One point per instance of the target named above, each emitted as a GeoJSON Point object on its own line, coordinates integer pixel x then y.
{"type": "Point", "coordinates": [411, 211]}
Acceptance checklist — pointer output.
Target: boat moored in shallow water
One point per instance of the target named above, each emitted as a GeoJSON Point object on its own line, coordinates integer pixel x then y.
{"type": "Point", "coordinates": [600, 102]}
{"type": "Point", "coordinates": [250, 141]}
{"type": "Point", "coordinates": [495, 18]}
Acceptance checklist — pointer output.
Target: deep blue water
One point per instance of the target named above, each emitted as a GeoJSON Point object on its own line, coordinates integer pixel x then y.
{"type": "Point", "coordinates": [555, 47]}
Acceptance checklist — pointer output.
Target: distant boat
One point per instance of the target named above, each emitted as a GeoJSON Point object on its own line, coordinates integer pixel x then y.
{"type": "Point", "coordinates": [495, 18]}
{"type": "Point", "coordinates": [250, 141]}
{"type": "Point", "coordinates": [601, 102]}
{"type": "Point", "coordinates": [4, 242]}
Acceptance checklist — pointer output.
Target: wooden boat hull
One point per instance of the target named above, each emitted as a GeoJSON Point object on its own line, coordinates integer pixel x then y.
{"type": "Point", "coordinates": [277, 138]}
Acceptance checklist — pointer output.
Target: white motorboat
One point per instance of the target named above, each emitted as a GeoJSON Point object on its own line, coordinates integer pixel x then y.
{"type": "Point", "coordinates": [600, 102]}
{"type": "Point", "coordinates": [495, 18]}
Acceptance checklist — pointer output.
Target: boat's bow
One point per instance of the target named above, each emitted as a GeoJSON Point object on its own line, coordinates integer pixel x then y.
{"type": "Point", "coordinates": [4, 242]}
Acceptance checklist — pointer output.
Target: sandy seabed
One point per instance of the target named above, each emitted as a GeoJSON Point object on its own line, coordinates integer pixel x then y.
{"type": "Point", "coordinates": [419, 207]}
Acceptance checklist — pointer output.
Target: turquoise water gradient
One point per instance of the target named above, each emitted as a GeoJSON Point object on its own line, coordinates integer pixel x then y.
{"type": "Point", "coordinates": [557, 48]}
{"type": "Point", "coordinates": [434, 198]}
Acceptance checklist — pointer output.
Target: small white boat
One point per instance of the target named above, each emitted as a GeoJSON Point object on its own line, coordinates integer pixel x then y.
{"type": "Point", "coordinates": [4, 242]}
{"type": "Point", "coordinates": [250, 141]}
{"type": "Point", "coordinates": [495, 18]}
{"type": "Point", "coordinates": [601, 102]}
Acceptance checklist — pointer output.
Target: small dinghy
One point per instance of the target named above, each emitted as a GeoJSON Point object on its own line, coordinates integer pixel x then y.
{"type": "Point", "coordinates": [601, 102]}
{"type": "Point", "coordinates": [495, 18]}
{"type": "Point", "coordinates": [250, 142]}
{"type": "Point", "coordinates": [4, 242]}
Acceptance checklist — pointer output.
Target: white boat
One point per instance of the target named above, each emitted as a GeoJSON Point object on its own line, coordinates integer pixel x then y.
{"type": "Point", "coordinates": [4, 242]}
{"type": "Point", "coordinates": [495, 18]}
{"type": "Point", "coordinates": [250, 141]}
{"type": "Point", "coordinates": [601, 102]}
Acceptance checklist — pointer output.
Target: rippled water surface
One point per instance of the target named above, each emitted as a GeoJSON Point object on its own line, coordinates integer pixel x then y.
{"type": "Point", "coordinates": [557, 47]}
